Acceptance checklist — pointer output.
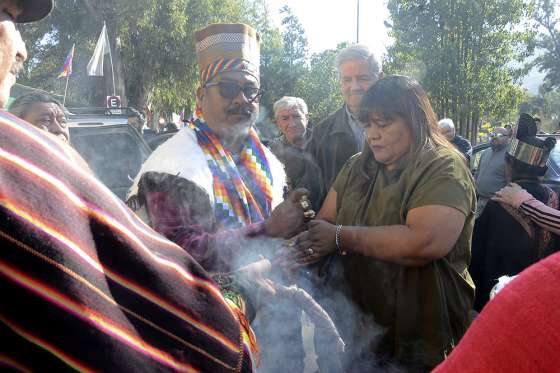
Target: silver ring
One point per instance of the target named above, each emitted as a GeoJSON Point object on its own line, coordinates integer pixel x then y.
{"type": "Point", "coordinates": [309, 214]}
{"type": "Point", "coordinates": [310, 251]}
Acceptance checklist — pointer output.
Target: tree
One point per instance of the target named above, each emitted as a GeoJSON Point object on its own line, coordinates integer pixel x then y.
{"type": "Point", "coordinates": [462, 52]}
{"type": "Point", "coordinates": [545, 105]}
{"type": "Point", "coordinates": [154, 54]}
{"type": "Point", "coordinates": [295, 42]}
{"type": "Point", "coordinates": [283, 57]}
{"type": "Point", "coordinates": [320, 86]}
{"type": "Point", "coordinates": [152, 43]}
{"type": "Point", "coordinates": [549, 42]}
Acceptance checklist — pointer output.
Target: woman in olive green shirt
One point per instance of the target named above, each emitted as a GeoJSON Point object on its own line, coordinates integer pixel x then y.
{"type": "Point", "coordinates": [400, 215]}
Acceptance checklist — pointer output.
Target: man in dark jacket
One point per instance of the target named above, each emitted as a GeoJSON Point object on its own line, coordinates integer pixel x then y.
{"type": "Point", "coordinates": [340, 136]}
{"type": "Point", "coordinates": [447, 129]}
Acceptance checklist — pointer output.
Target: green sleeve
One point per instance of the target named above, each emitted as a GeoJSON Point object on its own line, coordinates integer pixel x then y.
{"type": "Point", "coordinates": [444, 181]}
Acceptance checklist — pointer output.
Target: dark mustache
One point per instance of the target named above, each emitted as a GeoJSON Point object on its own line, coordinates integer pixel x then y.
{"type": "Point", "coordinates": [240, 110]}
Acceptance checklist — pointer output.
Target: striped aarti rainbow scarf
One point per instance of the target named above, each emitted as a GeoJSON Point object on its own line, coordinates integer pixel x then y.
{"type": "Point", "coordinates": [238, 201]}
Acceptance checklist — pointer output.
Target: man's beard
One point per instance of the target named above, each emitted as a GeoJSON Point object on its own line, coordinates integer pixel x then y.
{"type": "Point", "coordinates": [237, 132]}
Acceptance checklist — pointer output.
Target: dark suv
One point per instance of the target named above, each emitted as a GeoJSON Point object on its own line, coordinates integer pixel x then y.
{"type": "Point", "coordinates": [113, 149]}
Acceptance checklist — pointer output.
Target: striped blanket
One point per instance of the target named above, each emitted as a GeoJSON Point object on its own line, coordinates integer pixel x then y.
{"type": "Point", "coordinates": [87, 286]}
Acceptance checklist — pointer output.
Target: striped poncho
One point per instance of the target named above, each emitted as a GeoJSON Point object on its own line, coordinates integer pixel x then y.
{"type": "Point", "coordinates": [87, 286]}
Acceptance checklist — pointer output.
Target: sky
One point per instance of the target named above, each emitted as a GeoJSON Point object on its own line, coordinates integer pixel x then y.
{"type": "Point", "coordinates": [329, 22]}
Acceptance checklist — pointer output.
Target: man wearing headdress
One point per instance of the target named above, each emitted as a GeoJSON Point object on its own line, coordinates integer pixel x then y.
{"type": "Point", "coordinates": [86, 286]}
{"type": "Point", "coordinates": [214, 188]}
{"type": "Point", "coordinates": [234, 181]}
{"type": "Point", "coordinates": [504, 240]}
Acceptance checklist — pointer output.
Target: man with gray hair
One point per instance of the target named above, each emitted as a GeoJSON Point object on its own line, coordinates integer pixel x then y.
{"type": "Point", "coordinates": [447, 129]}
{"type": "Point", "coordinates": [341, 135]}
{"type": "Point", "coordinates": [292, 118]}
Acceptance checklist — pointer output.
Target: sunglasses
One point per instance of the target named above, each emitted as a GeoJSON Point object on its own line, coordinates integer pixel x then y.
{"type": "Point", "coordinates": [230, 90]}
{"type": "Point", "coordinates": [494, 135]}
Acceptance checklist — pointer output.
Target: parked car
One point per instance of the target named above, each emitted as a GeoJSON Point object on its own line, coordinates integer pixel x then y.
{"type": "Point", "coordinates": [159, 139]}
{"type": "Point", "coordinates": [114, 150]}
{"type": "Point", "coordinates": [552, 175]}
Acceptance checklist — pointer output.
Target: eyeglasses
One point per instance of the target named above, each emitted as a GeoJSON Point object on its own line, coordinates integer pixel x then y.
{"type": "Point", "coordinates": [494, 135]}
{"type": "Point", "coordinates": [230, 90]}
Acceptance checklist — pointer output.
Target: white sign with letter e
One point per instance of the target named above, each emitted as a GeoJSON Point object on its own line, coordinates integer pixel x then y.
{"type": "Point", "coordinates": [113, 102]}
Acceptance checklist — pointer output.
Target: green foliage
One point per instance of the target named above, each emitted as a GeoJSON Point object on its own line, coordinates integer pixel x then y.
{"type": "Point", "coordinates": [549, 42]}
{"type": "Point", "coordinates": [152, 43]}
{"type": "Point", "coordinates": [545, 105]}
{"type": "Point", "coordinates": [320, 86]}
{"type": "Point", "coordinates": [153, 52]}
{"type": "Point", "coordinates": [462, 52]}
{"type": "Point", "coordinates": [283, 58]}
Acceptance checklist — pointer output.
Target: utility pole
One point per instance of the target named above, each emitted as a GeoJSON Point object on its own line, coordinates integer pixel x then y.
{"type": "Point", "coordinates": [358, 24]}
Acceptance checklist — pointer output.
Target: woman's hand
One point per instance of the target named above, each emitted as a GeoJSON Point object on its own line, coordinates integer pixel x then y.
{"type": "Point", "coordinates": [513, 195]}
{"type": "Point", "coordinates": [314, 244]}
{"type": "Point", "coordinates": [322, 235]}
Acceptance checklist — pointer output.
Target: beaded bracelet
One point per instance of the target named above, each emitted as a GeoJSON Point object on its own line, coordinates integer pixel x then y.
{"type": "Point", "coordinates": [337, 240]}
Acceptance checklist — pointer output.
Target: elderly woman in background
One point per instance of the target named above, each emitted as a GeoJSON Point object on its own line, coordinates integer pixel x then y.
{"type": "Point", "coordinates": [399, 217]}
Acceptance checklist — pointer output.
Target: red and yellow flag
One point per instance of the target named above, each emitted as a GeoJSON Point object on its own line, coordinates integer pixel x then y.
{"type": "Point", "coordinates": [66, 69]}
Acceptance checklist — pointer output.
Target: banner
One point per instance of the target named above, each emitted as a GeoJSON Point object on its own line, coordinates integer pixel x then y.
{"type": "Point", "coordinates": [95, 65]}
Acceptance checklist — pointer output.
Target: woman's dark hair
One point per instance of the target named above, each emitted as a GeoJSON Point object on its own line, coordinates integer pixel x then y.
{"type": "Point", "coordinates": [403, 97]}
{"type": "Point", "coordinates": [21, 105]}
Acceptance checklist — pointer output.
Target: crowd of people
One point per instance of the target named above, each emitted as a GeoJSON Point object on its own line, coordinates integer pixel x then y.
{"type": "Point", "coordinates": [368, 226]}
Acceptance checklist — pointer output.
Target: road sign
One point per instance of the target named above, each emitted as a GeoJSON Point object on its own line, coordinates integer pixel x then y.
{"type": "Point", "coordinates": [113, 102]}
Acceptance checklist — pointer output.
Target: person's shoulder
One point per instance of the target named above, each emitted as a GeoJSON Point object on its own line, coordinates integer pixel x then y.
{"type": "Point", "coordinates": [326, 124]}
{"type": "Point", "coordinates": [442, 160]}
{"type": "Point", "coordinates": [352, 161]}
{"type": "Point", "coordinates": [441, 154]}
{"type": "Point", "coordinates": [274, 143]}
{"type": "Point", "coordinates": [351, 164]}
{"type": "Point", "coordinates": [462, 141]}
{"type": "Point", "coordinates": [170, 157]}
{"type": "Point", "coordinates": [486, 151]}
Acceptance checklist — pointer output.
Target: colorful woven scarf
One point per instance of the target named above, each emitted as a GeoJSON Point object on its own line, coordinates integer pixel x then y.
{"type": "Point", "coordinates": [242, 183]}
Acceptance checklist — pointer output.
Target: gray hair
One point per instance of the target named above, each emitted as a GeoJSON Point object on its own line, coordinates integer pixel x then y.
{"type": "Point", "coordinates": [21, 105]}
{"type": "Point", "coordinates": [289, 102]}
{"type": "Point", "coordinates": [446, 124]}
{"type": "Point", "coordinates": [359, 52]}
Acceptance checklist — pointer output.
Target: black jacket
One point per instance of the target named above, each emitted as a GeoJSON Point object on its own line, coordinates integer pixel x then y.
{"type": "Point", "coordinates": [502, 246]}
{"type": "Point", "coordinates": [331, 145]}
{"type": "Point", "coordinates": [301, 170]}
